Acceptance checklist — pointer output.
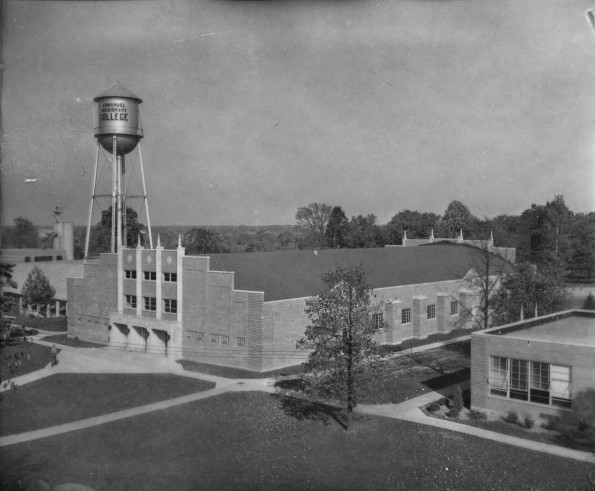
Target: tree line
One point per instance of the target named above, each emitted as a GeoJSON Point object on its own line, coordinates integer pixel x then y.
{"type": "Point", "coordinates": [549, 235]}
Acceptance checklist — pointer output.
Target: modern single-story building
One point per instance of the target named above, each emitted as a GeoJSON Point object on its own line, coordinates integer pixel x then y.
{"type": "Point", "coordinates": [539, 367]}
{"type": "Point", "coordinates": [248, 310]}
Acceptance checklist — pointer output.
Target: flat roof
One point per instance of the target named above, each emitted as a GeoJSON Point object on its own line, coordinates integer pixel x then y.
{"type": "Point", "coordinates": [567, 330]}
{"type": "Point", "coordinates": [571, 327]}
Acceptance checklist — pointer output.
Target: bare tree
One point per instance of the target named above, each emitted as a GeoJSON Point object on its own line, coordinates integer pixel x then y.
{"type": "Point", "coordinates": [485, 271]}
{"type": "Point", "coordinates": [314, 217]}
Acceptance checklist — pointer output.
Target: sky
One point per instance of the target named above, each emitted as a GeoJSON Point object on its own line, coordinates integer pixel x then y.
{"type": "Point", "coordinates": [252, 109]}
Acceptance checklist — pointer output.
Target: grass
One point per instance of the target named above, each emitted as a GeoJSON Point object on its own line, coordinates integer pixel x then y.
{"type": "Point", "coordinates": [64, 398]}
{"type": "Point", "coordinates": [404, 377]}
{"type": "Point", "coordinates": [39, 357]}
{"type": "Point", "coordinates": [253, 440]}
{"type": "Point", "coordinates": [66, 340]}
{"type": "Point", "coordinates": [56, 324]}
{"type": "Point", "coordinates": [230, 372]}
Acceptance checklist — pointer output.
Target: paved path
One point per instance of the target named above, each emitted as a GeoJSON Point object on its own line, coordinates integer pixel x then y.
{"type": "Point", "coordinates": [410, 411]}
{"type": "Point", "coordinates": [102, 360]}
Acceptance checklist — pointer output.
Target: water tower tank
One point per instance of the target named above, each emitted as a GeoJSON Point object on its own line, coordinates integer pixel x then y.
{"type": "Point", "coordinates": [117, 114]}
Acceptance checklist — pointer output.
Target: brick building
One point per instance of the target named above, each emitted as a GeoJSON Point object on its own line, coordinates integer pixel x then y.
{"type": "Point", "coordinates": [537, 367]}
{"type": "Point", "coordinates": [247, 310]}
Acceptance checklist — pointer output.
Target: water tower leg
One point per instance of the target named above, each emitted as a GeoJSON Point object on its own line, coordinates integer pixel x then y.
{"type": "Point", "coordinates": [114, 190]}
{"type": "Point", "coordinates": [91, 203]}
{"type": "Point", "coordinates": [142, 173]}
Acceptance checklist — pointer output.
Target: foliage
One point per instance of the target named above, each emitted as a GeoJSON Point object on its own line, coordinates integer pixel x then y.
{"type": "Point", "coordinates": [453, 413]}
{"type": "Point", "coordinates": [589, 303]}
{"type": "Point", "coordinates": [37, 289]}
{"type": "Point", "coordinates": [363, 232]}
{"type": "Point", "coordinates": [550, 424]}
{"type": "Point", "coordinates": [476, 415]}
{"type": "Point", "coordinates": [315, 218]}
{"type": "Point", "coordinates": [583, 406]}
{"type": "Point", "coordinates": [417, 225]}
{"type": "Point", "coordinates": [456, 218]}
{"type": "Point", "coordinates": [457, 399]}
{"type": "Point", "coordinates": [56, 324]}
{"type": "Point", "coordinates": [528, 421]}
{"type": "Point", "coordinates": [343, 353]}
{"type": "Point", "coordinates": [511, 417]}
{"type": "Point", "coordinates": [433, 407]}
{"type": "Point", "coordinates": [5, 280]}
{"type": "Point", "coordinates": [24, 233]}
{"type": "Point", "coordinates": [337, 228]}
{"type": "Point", "coordinates": [525, 289]}
{"type": "Point", "coordinates": [201, 241]}
{"type": "Point", "coordinates": [101, 234]}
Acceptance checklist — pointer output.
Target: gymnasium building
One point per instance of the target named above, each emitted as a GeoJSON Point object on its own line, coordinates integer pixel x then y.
{"type": "Point", "coordinates": [246, 310]}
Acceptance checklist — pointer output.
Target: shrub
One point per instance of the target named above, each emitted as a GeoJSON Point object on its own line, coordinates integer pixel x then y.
{"type": "Point", "coordinates": [550, 424]}
{"type": "Point", "coordinates": [583, 425]}
{"type": "Point", "coordinates": [589, 303]}
{"type": "Point", "coordinates": [433, 407]}
{"type": "Point", "coordinates": [76, 340]}
{"type": "Point", "coordinates": [443, 401]}
{"type": "Point", "coordinates": [476, 415]}
{"type": "Point", "coordinates": [511, 416]}
{"type": "Point", "coordinates": [452, 413]}
{"type": "Point", "coordinates": [457, 399]}
{"type": "Point", "coordinates": [528, 421]}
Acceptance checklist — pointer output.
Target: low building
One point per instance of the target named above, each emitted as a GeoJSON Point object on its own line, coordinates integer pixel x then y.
{"type": "Point", "coordinates": [538, 367]}
{"type": "Point", "coordinates": [248, 310]}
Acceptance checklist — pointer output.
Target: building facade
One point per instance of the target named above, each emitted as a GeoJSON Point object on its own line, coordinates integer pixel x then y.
{"type": "Point", "coordinates": [540, 367]}
{"type": "Point", "coordinates": [248, 310]}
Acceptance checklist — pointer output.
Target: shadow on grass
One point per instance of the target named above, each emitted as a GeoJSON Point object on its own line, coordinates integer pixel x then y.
{"type": "Point", "coordinates": [74, 342]}
{"type": "Point", "coordinates": [448, 379]}
{"type": "Point", "coordinates": [303, 410]}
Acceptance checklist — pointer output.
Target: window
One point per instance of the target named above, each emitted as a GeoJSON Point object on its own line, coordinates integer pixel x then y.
{"type": "Point", "coordinates": [532, 381]}
{"type": "Point", "coordinates": [27, 259]}
{"type": "Point", "coordinates": [498, 379]}
{"type": "Point", "coordinates": [130, 301]}
{"type": "Point", "coordinates": [170, 306]}
{"type": "Point", "coordinates": [58, 258]}
{"type": "Point", "coordinates": [170, 277]}
{"type": "Point", "coordinates": [518, 379]}
{"type": "Point", "coordinates": [150, 303]}
{"type": "Point", "coordinates": [406, 316]}
{"type": "Point", "coordinates": [150, 275]}
{"type": "Point", "coordinates": [241, 342]}
{"type": "Point", "coordinates": [454, 308]}
{"type": "Point", "coordinates": [130, 274]}
{"type": "Point", "coordinates": [431, 311]}
{"type": "Point", "coordinates": [195, 336]}
{"type": "Point", "coordinates": [219, 339]}
{"type": "Point", "coordinates": [38, 259]}
{"type": "Point", "coordinates": [540, 382]}
{"type": "Point", "coordinates": [378, 320]}
{"type": "Point", "coordinates": [560, 385]}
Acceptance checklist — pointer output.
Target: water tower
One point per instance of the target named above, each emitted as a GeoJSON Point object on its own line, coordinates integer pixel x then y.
{"type": "Point", "coordinates": [118, 131]}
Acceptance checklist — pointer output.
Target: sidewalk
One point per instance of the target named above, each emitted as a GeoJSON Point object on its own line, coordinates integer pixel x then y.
{"type": "Point", "coordinates": [410, 411]}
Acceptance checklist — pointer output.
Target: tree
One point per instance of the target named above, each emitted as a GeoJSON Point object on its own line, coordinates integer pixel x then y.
{"type": "Point", "coordinates": [101, 234]}
{"type": "Point", "coordinates": [417, 225]}
{"type": "Point", "coordinates": [456, 217]}
{"type": "Point", "coordinates": [527, 290]}
{"type": "Point", "coordinates": [315, 218]}
{"type": "Point", "coordinates": [37, 289]}
{"type": "Point", "coordinates": [336, 228]}
{"type": "Point", "coordinates": [581, 263]}
{"type": "Point", "coordinates": [340, 337]}
{"type": "Point", "coordinates": [589, 303]}
{"type": "Point", "coordinates": [202, 241]}
{"type": "Point", "coordinates": [485, 273]}
{"type": "Point", "coordinates": [363, 232]}
{"type": "Point", "coordinates": [24, 233]}
{"type": "Point", "coordinates": [5, 280]}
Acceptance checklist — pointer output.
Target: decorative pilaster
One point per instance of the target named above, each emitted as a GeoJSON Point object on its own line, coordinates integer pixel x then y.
{"type": "Point", "coordinates": [158, 278]}
{"type": "Point", "coordinates": [181, 252]}
{"type": "Point", "coordinates": [139, 279]}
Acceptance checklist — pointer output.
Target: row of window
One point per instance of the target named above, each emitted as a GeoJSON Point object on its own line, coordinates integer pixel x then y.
{"type": "Point", "coordinates": [130, 274]}
{"type": "Point", "coordinates": [378, 318]}
{"type": "Point", "coordinates": [222, 339]}
{"type": "Point", "coordinates": [533, 381]}
{"type": "Point", "coordinates": [170, 305]}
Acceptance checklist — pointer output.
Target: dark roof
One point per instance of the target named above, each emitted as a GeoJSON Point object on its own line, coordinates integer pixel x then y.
{"type": "Point", "coordinates": [292, 274]}
{"type": "Point", "coordinates": [117, 90]}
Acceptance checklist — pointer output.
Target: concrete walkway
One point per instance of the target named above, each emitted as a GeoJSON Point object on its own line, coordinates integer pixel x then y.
{"type": "Point", "coordinates": [103, 360]}
{"type": "Point", "coordinates": [410, 411]}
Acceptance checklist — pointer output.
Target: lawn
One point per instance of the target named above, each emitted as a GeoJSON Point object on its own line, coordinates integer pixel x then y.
{"type": "Point", "coordinates": [407, 376]}
{"type": "Point", "coordinates": [39, 357]}
{"type": "Point", "coordinates": [231, 372]}
{"type": "Point", "coordinates": [252, 440]}
{"type": "Point", "coordinates": [64, 398]}
{"type": "Point", "coordinates": [66, 340]}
